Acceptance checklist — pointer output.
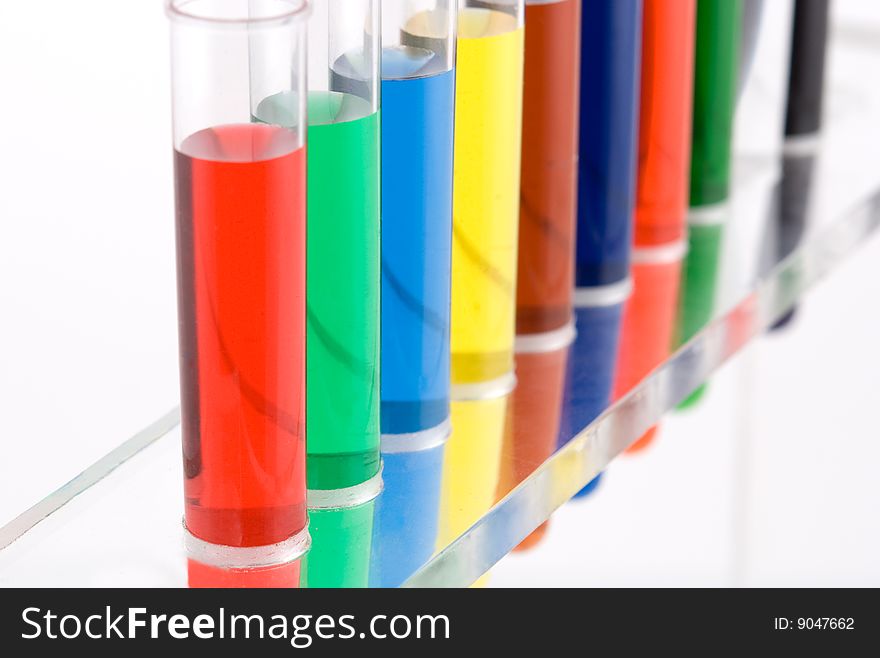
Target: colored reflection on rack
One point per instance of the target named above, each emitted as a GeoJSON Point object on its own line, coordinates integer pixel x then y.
{"type": "Point", "coordinates": [548, 198]}
{"type": "Point", "coordinates": [648, 320]}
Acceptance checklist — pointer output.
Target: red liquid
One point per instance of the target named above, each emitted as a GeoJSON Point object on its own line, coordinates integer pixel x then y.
{"type": "Point", "coordinates": [241, 295]}
{"type": "Point", "coordinates": [669, 31]}
{"type": "Point", "coordinates": [284, 576]}
{"type": "Point", "coordinates": [548, 196]}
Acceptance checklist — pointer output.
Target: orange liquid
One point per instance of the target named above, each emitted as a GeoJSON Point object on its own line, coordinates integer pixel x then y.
{"type": "Point", "coordinates": [665, 124]}
{"type": "Point", "coordinates": [548, 195]}
{"type": "Point", "coordinates": [648, 326]}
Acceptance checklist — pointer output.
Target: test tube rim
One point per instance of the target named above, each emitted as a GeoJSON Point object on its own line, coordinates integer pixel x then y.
{"type": "Point", "coordinates": [298, 12]}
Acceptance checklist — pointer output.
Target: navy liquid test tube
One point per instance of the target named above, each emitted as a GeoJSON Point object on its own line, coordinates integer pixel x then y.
{"type": "Point", "coordinates": [610, 69]}
{"type": "Point", "coordinates": [609, 112]}
{"type": "Point", "coordinates": [418, 105]}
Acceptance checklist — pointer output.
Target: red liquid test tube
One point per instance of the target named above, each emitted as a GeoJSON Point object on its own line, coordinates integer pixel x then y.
{"type": "Point", "coordinates": [241, 206]}
{"type": "Point", "coordinates": [668, 37]}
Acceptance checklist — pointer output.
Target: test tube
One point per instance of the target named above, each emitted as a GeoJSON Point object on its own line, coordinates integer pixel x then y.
{"type": "Point", "coordinates": [803, 124]}
{"type": "Point", "coordinates": [715, 79]}
{"type": "Point", "coordinates": [662, 191]}
{"type": "Point", "coordinates": [488, 130]}
{"type": "Point", "coordinates": [418, 114]}
{"type": "Point", "coordinates": [608, 151]}
{"type": "Point", "coordinates": [665, 122]}
{"type": "Point", "coordinates": [548, 198]}
{"type": "Point", "coordinates": [716, 72]}
{"type": "Point", "coordinates": [343, 284]}
{"type": "Point", "coordinates": [241, 214]}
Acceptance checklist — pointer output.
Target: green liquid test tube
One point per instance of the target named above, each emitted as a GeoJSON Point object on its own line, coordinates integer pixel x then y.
{"type": "Point", "coordinates": [715, 84]}
{"type": "Point", "coordinates": [716, 74]}
{"type": "Point", "coordinates": [343, 287]}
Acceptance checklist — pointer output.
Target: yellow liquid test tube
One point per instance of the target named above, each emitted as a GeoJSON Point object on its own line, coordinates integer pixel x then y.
{"type": "Point", "coordinates": [488, 125]}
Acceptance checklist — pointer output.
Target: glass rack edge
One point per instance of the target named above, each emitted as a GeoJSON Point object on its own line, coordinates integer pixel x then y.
{"type": "Point", "coordinates": [468, 557]}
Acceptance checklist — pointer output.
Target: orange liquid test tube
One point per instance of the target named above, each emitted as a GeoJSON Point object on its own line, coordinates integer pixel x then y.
{"type": "Point", "coordinates": [668, 39]}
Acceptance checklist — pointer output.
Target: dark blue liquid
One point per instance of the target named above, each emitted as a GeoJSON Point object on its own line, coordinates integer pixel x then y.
{"type": "Point", "coordinates": [417, 131]}
{"type": "Point", "coordinates": [610, 69]}
{"type": "Point", "coordinates": [592, 363]}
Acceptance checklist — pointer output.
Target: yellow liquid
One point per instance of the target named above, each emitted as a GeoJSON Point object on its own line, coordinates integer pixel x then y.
{"type": "Point", "coordinates": [488, 125]}
{"type": "Point", "coordinates": [471, 467]}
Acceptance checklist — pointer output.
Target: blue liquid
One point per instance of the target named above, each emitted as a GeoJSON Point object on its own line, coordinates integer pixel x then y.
{"type": "Point", "coordinates": [610, 70]}
{"type": "Point", "coordinates": [417, 132]}
{"type": "Point", "coordinates": [592, 364]}
{"type": "Point", "coordinates": [407, 515]}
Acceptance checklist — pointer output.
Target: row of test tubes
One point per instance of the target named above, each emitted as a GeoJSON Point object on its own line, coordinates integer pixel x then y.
{"type": "Point", "coordinates": [380, 203]}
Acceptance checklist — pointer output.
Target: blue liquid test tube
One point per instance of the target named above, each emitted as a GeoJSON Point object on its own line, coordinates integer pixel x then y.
{"type": "Point", "coordinates": [418, 108]}
{"type": "Point", "coordinates": [610, 84]}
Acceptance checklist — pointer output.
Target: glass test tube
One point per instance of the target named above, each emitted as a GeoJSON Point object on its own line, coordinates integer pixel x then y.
{"type": "Point", "coordinates": [610, 65]}
{"type": "Point", "coordinates": [609, 110]}
{"type": "Point", "coordinates": [418, 114]}
{"type": "Point", "coordinates": [715, 81]}
{"type": "Point", "coordinates": [716, 74]}
{"type": "Point", "coordinates": [803, 124]}
{"type": "Point", "coordinates": [241, 288]}
{"type": "Point", "coordinates": [343, 285]}
{"type": "Point", "coordinates": [665, 123]}
{"type": "Point", "coordinates": [548, 197]}
{"type": "Point", "coordinates": [488, 130]}
{"type": "Point", "coordinates": [418, 105]}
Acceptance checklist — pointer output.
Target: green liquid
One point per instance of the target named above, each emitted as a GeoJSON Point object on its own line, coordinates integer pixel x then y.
{"type": "Point", "coordinates": [342, 374]}
{"type": "Point", "coordinates": [341, 545]}
{"type": "Point", "coordinates": [715, 83]}
{"type": "Point", "coordinates": [699, 285]}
